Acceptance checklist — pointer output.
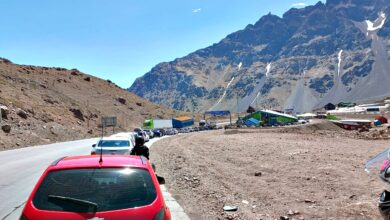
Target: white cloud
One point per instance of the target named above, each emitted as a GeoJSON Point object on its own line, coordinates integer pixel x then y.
{"type": "Point", "coordinates": [196, 10]}
{"type": "Point", "coordinates": [299, 5]}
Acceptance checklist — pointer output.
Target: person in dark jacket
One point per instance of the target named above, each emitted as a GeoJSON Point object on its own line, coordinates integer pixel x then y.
{"type": "Point", "coordinates": [140, 149]}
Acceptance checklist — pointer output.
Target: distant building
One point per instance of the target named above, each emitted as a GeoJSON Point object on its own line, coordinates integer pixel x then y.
{"type": "Point", "coordinates": [269, 117]}
{"type": "Point", "coordinates": [329, 107]}
{"type": "Point", "coordinates": [182, 122]}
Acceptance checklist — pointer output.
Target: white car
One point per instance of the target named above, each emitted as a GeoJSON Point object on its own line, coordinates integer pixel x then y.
{"type": "Point", "coordinates": [129, 135]}
{"type": "Point", "coordinates": [302, 121]}
{"type": "Point", "coordinates": [146, 136]}
{"type": "Point", "coordinates": [112, 145]}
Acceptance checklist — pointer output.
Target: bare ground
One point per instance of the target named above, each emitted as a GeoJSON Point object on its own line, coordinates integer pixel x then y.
{"type": "Point", "coordinates": [61, 105]}
{"type": "Point", "coordinates": [316, 171]}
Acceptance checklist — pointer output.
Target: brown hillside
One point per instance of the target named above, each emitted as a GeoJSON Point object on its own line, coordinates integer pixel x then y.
{"type": "Point", "coordinates": [44, 105]}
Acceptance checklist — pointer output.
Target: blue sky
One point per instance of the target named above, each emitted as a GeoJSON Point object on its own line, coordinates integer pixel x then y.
{"type": "Point", "coordinates": [121, 40]}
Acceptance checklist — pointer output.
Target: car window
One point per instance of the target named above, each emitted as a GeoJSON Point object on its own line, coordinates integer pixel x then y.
{"type": "Point", "coordinates": [108, 188]}
{"type": "Point", "coordinates": [114, 143]}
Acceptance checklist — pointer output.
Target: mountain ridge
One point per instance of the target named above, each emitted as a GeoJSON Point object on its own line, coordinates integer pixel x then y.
{"type": "Point", "coordinates": [41, 105]}
{"type": "Point", "coordinates": [309, 56]}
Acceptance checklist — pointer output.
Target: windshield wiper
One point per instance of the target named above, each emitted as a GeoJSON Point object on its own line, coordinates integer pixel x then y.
{"type": "Point", "coordinates": [81, 202]}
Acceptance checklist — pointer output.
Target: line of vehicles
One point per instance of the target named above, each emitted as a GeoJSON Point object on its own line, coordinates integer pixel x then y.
{"type": "Point", "coordinates": [108, 184]}
{"type": "Point", "coordinates": [122, 143]}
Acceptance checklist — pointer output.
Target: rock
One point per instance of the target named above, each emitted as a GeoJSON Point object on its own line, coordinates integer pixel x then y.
{"type": "Point", "coordinates": [75, 73]}
{"type": "Point", "coordinates": [88, 79]}
{"type": "Point", "coordinates": [6, 128]}
{"type": "Point", "coordinates": [139, 103]}
{"type": "Point", "coordinates": [77, 113]}
{"type": "Point", "coordinates": [230, 208]}
{"type": "Point", "coordinates": [49, 100]}
{"type": "Point", "coordinates": [309, 201]}
{"type": "Point", "coordinates": [258, 174]}
{"type": "Point", "coordinates": [22, 114]}
{"type": "Point", "coordinates": [122, 100]}
{"type": "Point", "coordinates": [4, 112]}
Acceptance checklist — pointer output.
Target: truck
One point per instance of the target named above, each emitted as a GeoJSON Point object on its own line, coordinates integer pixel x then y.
{"type": "Point", "coordinates": [157, 123]}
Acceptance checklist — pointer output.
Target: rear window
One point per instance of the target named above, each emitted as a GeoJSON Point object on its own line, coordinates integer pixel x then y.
{"type": "Point", "coordinates": [106, 188]}
{"type": "Point", "coordinates": [114, 143]}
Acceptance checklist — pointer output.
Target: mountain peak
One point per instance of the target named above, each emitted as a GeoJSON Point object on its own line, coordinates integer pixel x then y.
{"type": "Point", "coordinates": [299, 60]}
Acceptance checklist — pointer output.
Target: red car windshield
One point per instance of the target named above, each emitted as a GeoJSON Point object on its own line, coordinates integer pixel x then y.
{"type": "Point", "coordinates": [94, 190]}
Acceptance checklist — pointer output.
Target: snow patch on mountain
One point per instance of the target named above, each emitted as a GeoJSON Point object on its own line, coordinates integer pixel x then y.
{"type": "Point", "coordinates": [239, 66]}
{"type": "Point", "coordinates": [380, 22]}
{"type": "Point", "coordinates": [224, 93]}
{"type": "Point", "coordinates": [268, 69]}
{"type": "Point", "coordinates": [339, 64]}
{"type": "Point", "coordinates": [257, 96]}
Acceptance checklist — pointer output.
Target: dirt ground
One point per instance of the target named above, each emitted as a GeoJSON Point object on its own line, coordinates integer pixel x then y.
{"type": "Point", "coordinates": [309, 172]}
{"type": "Point", "coordinates": [41, 105]}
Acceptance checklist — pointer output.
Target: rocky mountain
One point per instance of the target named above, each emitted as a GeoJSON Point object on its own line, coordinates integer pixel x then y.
{"type": "Point", "coordinates": [45, 104]}
{"type": "Point", "coordinates": [329, 52]}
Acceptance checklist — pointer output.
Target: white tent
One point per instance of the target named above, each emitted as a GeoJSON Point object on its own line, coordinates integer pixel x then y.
{"type": "Point", "coordinates": [307, 115]}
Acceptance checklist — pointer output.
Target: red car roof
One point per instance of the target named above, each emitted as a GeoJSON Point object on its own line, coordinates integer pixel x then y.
{"type": "Point", "coordinates": [93, 161]}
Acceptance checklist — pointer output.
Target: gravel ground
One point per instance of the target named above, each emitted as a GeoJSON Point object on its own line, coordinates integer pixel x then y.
{"type": "Point", "coordinates": [310, 172]}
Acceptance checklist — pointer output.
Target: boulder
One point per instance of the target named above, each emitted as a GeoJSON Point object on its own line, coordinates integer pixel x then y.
{"type": "Point", "coordinates": [88, 79]}
{"type": "Point", "coordinates": [122, 100]}
{"type": "Point", "coordinates": [77, 113]}
{"type": "Point", "coordinates": [22, 114]}
{"type": "Point", "coordinates": [74, 73]}
{"type": "Point", "coordinates": [6, 128]}
{"type": "Point", "coordinates": [4, 112]}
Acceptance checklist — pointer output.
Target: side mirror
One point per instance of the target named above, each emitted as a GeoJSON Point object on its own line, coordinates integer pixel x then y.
{"type": "Point", "coordinates": [93, 145]}
{"type": "Point", "coordinates": [161, 180]}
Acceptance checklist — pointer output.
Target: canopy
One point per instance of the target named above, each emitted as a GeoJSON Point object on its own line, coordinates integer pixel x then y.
{"type": "Point", "coordinates": [252, 122]}
{"type": "Point", "coordinates": [307, 115]}
{"type": "Point", "coordinates": [217, 113]}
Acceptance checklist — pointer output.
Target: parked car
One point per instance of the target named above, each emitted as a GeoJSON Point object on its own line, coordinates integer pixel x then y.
{"type": "Point", "coordinates": [158, 132]}
{"type": "Point", "coordinates": [185, 130]}
{"type": "Point", "coordinates": [171, 131]}
{"type": "Point", "coordinates": [142, 133]}
{"type": "Point", "coordinates": [302, 121]}
{"type": "Point", "coordinates": [146, 136]}
{"type": "Point", "coordinates": [83, 187]}
{"type": "Point", "coordinates": [137, 130]}
{"type": "Point", "coordinates": [113, 145]}
{"type": "Point", "coordinates": [129, 135]}
{"type": "Point", "coordinates": [150, 133]}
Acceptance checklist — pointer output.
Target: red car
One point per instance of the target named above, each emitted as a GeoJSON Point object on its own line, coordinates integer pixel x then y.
{"type": "Point", "coordinates": [82, 187]}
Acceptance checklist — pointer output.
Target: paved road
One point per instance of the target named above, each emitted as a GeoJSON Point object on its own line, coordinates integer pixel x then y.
{"type": "Point", "coordinates": [20, 169]}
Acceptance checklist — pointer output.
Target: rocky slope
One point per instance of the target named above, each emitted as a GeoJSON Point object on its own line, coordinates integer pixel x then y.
{"type": "Point", "coordinates": [40, 105]}
{"type": "Point", "coordinates": [330, 52]}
